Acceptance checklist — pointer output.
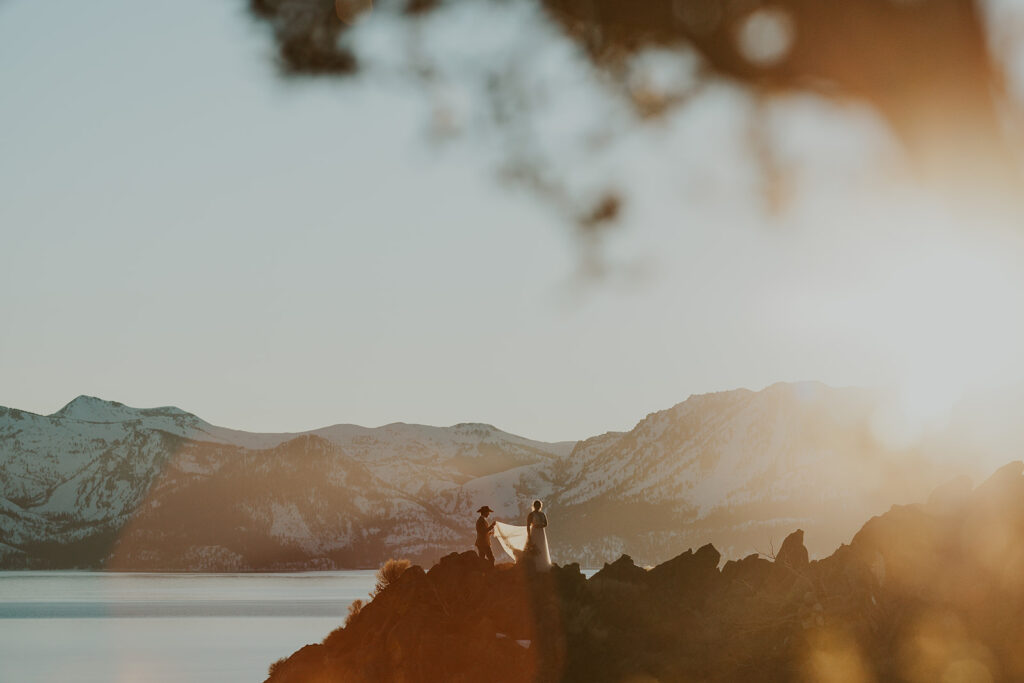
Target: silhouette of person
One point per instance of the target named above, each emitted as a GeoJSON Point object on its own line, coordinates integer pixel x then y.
{"type": "Point", "coordinates": [483, 535]}
{"type": "Point", "coordinates": [537, 537]}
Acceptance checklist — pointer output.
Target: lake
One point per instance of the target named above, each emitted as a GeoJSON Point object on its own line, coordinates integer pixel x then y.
{"type": "Point", "coordinates": [73, 626]}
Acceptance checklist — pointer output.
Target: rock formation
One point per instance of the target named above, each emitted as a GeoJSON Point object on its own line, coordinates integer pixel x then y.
{"type": "Point", "coordinates": [924, 592]}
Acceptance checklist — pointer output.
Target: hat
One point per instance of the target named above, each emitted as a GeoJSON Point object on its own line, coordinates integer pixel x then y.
{"type": "Point", "coordinates": [485, 509]}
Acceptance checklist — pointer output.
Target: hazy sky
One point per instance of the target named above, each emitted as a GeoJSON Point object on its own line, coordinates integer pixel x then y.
{"type": "Point", "coordinates": [180, 226]}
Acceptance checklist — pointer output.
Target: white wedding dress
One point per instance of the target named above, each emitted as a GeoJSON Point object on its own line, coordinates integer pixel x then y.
{"type": "Point", "coordinates": [513, 540]}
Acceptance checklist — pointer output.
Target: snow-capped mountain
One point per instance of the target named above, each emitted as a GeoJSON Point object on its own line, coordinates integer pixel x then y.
{"type": "Point", "coordinates": [741, 469]}
{"type": "Point", "coordinates": [101, 484]}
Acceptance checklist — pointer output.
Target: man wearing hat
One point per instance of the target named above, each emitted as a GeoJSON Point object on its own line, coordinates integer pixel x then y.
{"type": "Point", "coordinates": [483, 535]}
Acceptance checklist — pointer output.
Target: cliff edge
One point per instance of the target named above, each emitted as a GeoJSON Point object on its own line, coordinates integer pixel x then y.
{"type": "Point", "coordinates": [924, 592]}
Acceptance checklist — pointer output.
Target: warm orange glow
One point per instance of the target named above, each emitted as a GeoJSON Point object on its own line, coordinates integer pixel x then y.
{"type": "Point", "coordinates": [938, 649]}
{"type": "Point", "coordinates": [834, 657]}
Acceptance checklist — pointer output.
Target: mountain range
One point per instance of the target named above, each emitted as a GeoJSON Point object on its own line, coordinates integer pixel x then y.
{"type": "Point", "coordinates": [101, 484]}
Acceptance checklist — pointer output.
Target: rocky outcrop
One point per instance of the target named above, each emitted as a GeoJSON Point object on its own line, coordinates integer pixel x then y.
{"type": "Point", "coordinates": [925, 592]}
{"type": "Point", "coordinates": [793, 553]}
{"type": "Point", "coordinates": [460, 621]}
{"type": "Point", "coordinates": [622, 569]}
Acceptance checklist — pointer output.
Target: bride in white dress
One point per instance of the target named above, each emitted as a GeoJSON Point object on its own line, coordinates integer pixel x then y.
{"type": "Point", "coordinates": [527, 543]}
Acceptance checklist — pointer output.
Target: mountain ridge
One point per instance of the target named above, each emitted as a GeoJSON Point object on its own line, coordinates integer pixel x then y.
{"type": "Point", "coordinates": [88, 408]}
{"type": "Point", "coordinates": [738, 466]}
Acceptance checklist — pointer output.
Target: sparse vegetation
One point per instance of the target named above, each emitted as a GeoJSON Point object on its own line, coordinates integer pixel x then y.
{"type": "Point", "coordinates": [276, 666]}
{"type": "Point", "coordinates": [353, 610]}
{"type": "Point", "coordinates": [335, 635]}
{"type": "Point", "coordinates": [388, 574]}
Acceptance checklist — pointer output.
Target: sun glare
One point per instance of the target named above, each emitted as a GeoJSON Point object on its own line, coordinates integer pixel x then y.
{"type": "Point", "coordinates": [950, 318]}
{"type": "Point", "coordinates": [941, 315]}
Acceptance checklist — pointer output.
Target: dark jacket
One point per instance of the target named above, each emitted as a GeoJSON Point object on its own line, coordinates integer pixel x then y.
{"type": "Point", "coordinates": [483, 530]}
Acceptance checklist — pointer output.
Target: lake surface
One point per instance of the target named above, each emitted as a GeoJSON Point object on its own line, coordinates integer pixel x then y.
{"type": "Point", "coordinates": [98, 627]}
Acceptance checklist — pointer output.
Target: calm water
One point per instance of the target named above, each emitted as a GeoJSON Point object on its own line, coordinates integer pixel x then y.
{"type": "Point", "coordinates": [164, 628]}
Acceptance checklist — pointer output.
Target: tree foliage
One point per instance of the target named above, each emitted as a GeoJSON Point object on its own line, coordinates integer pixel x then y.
{"type": "Point", "coordinates": [933, 70]}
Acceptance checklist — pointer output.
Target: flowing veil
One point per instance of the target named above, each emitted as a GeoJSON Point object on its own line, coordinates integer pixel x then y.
{"type": "Point", "coordinates": [511, 538]}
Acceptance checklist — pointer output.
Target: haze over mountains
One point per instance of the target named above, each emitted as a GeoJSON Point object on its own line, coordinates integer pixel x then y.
{"type": "Point", "coordinates": [102, 484]}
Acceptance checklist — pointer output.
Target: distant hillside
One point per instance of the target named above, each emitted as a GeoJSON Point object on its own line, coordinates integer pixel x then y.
{"type": "Point", "coordinates": [102, 484]}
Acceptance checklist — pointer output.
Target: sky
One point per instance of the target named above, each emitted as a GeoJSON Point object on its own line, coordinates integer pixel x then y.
{"type": "Point", "coordinates": [182, 226]}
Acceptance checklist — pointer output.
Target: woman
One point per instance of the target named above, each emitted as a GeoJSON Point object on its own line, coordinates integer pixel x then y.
{"type": "Point", "coordinates": [527, 543]}
{"type": "Point", "coordinates": [537, 537]}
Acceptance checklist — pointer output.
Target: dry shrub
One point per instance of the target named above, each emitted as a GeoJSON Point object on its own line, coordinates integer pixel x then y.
{"type": "Point", "coordinates": [389, 573]}
{"type": "Point", "coordinates": [353, 610]}
{"type": "Point", "coordinates": [333, 636]}
{"type": "Point", "coordinates": [276, 666]}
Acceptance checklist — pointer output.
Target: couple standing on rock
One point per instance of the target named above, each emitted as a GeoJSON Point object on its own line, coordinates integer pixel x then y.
{"type": "Point", "coordinates": [523, 543]}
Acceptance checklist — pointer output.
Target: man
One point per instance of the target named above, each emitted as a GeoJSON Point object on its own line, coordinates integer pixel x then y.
{"type": "Point", "coordinates": [483, 535]}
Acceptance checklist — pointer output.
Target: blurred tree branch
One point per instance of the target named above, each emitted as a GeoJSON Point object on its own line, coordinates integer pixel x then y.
{"type": "Point", "coordinates": [926, 67]}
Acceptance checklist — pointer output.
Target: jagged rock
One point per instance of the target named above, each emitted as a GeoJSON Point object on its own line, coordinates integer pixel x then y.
{"type": "Point", "coordinates": [1003, 491]}
{"type": "Point", "coordinates": [909, 542]}
{"type": "Point", "coordinates": [950, 497]}
{"type": "Point", "coordinates": [751, 571]}
{"type": "Point", "coordinates": [569, 579]}
{"type": "Point", "coordinates": [686, 579]}
{"type": "Point", "coordinates": [622, 569]}
{"type": "Point", "coordinates": [793, 553]}
{"type": "Point", "coordinates": [688, 566]}
{"type": "Point", "coordinates": [460, 563]}
{"type": "Point", "coordinates": [707, 557]}
{"type": "Point", "coordinates": [911, 598]}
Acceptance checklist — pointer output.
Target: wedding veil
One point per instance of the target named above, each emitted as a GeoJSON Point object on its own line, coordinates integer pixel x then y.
{"type": "Point", "coordinates": [512, 539]}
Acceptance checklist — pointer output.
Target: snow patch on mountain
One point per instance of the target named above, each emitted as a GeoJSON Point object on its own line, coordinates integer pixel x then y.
{"type": "Point", "coordinates": [176, 492]}
{"type": "Point", "coordinates": [288, 524]}
{"type": "Point", "coordinates": [92, 409]}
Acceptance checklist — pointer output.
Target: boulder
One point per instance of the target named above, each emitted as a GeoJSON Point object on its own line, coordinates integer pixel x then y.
{"type": "Point", "coordinates": [793, 553]}
{"type": "Point", "coordinates": [707, 557]}
{"type": "Point", "coordinates": [751, 571]}
{"type": "Point", "coordinates": [622, 569]}
{"type": "Point", "coordinates": [686, 574]}
{"type": "Point", "coordinates": [569, 580]}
